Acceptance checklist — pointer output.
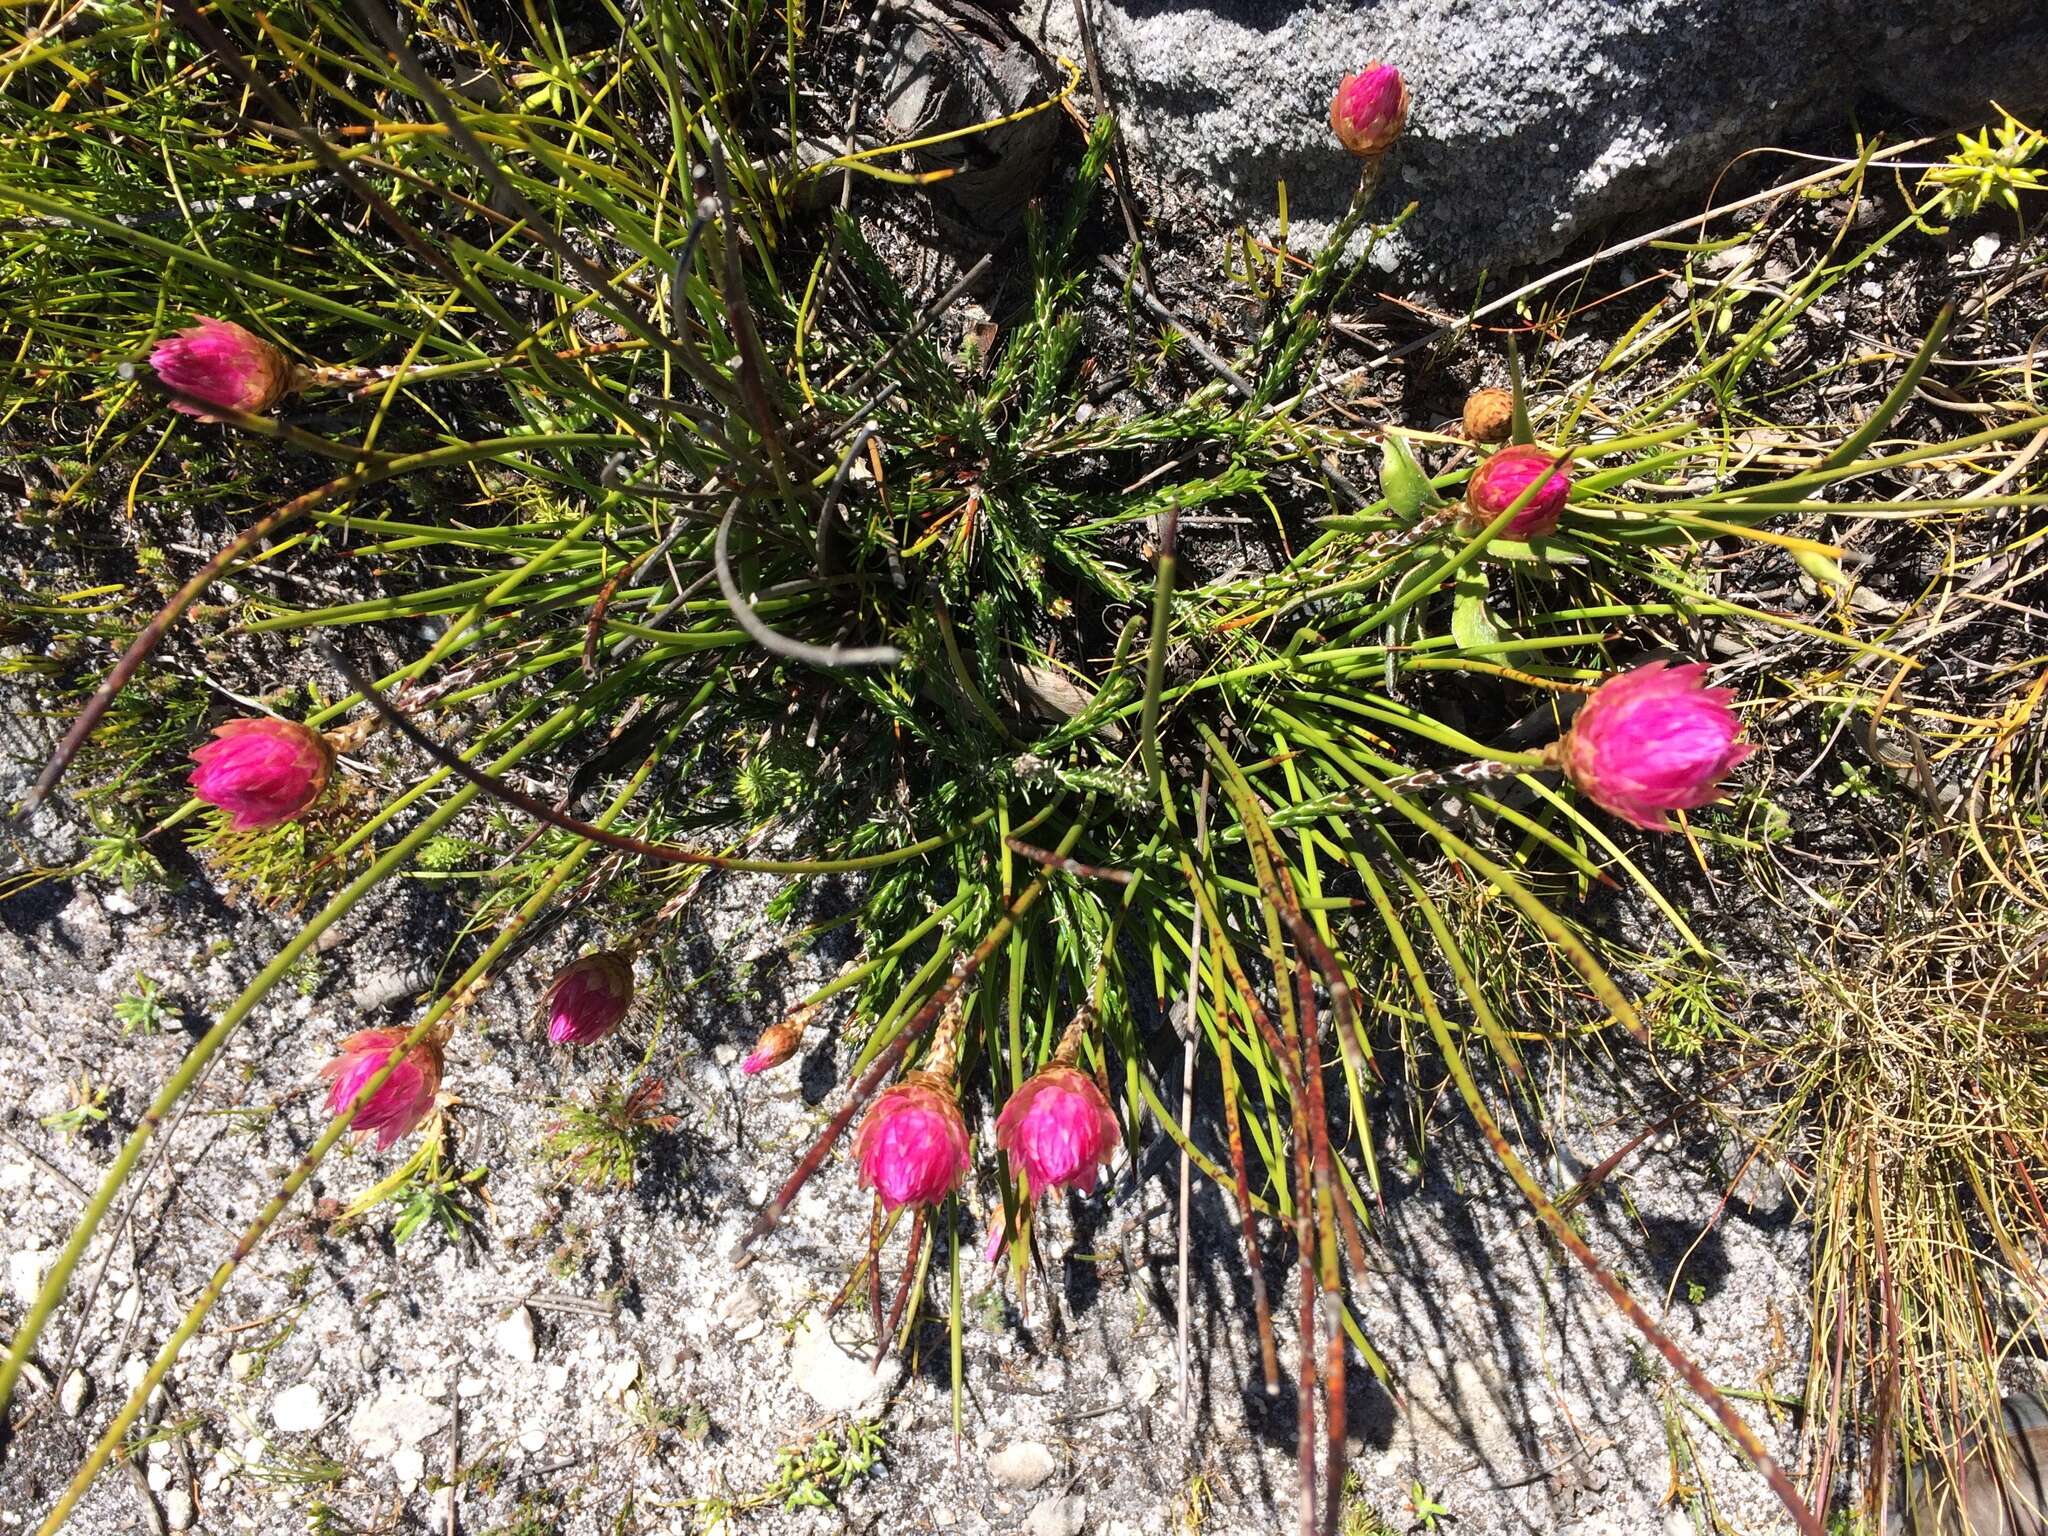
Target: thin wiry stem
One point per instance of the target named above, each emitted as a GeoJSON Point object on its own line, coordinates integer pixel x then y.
{"type": "Point", "coordinates": [886, 1062]}
{"type": "Point", "coordinates": [661, 853]}
{"type": "Point", "coordinates": [795, 650]}
{"type": "Point", "coordinates": [203, 1051]}
{"type": "Point", "coordinates": [1155, 662]}
{"type": "Point", "coordinates": [143, 644]}
{"type": "Point", "coordinates": [458, 996]}
{"type": "Point", "coordinates": [931, 312]}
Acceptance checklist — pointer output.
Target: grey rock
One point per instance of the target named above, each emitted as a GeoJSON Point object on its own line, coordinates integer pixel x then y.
{"type": "Point", "coordinates": [955, 67]}
{"type": "Point", "coordinates": [26, 1270]}
{"type": "Point", "coordinates": [1058, 1515]}
{"type": "Point", "coordinates": [1022, 1464]}
{"type": "Point", "coordinates": [1532, 121]}
{"type": "Point", "coordinates": [396, 1419]}
{"type": "Point", "coordinates": [178, 1511]}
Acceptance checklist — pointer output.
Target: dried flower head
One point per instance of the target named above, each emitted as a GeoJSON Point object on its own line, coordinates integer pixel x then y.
{"type": "Point", "coordinates": [1489, 415]}
{"type": "Point", "coordinates": [1651, 741]}
{"type": "Point", "coordinates": [220, 363]}
{"type": "Point", "coordinates": [262, 771]}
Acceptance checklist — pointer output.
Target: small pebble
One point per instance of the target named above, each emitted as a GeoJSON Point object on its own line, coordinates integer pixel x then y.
{"type": "Point", "coordinates": [515, 1336]}
{"type": "Point", "coordinates": [1022, 1464]}
{"type": "Point", "coordinates": [298, 1410]}
{"type": "Point", "coordinates": [76, 1394]}
{"type": "Point", "coordinates": [178, 1510]}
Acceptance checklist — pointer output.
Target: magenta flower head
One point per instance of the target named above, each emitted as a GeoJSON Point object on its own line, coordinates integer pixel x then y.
{"type": "Point", "coordinates": [407, 1096]}
{"type": "Point", "coordinates": [588, 997]}
{"type": "Point", "coordinates": [262, 771]}
{"type": "Point", "coordinates": [912, 1148]}
{"type": "Point", "coordinates": [1505, 475]}
{"type": "Point", "coordinates": [1370, 109]}
{"type": "Point", "coordinates": [1058, 1130]}
{"type": "Point", "coordinates": [1651, 741]}
{"type": "Point", "coordinates": [218, 362]}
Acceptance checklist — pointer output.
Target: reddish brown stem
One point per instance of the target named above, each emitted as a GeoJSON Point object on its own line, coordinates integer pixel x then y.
{"type": "Point", "coordinates": [884, 1335]}
{"type": "Point", "coordinates": [1052, 860]}
{"type": "Point", "coordinates": [1327, 1207]}
{"type": "Point", "coordinates": [143, 644]}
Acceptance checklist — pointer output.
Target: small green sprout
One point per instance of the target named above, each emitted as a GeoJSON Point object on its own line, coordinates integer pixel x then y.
{"type": "Point", "coordinates": [1995, 166]}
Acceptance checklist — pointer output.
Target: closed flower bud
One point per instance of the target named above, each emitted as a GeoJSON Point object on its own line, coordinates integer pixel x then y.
{"type": "Point", "coordinates": [1496, 484]}
{"type": "Point", "coordinates": [912, 1148]}
{"type": "Point", "coordinates": [1489, 415]}
{"type": "Point", "coordinates": [588, 997]}
{"type": "Point", "coordinates": [777, 1044]}
{"type": "Point", "coordinates": [1652, 741]}
{"type": "Point", "coordinates": [1058, 1130]}
{"type": "Point", "coordinates": [262, 771]}
{"type": "Point", "coordinates": [1369, 109]}
{"type": "Point", "coordinates": [407, 1097]}
{"type": "Point", "coordinates": [219, 363]}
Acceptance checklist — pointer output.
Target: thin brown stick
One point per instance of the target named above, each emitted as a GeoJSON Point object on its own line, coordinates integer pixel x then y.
{"type": "Point", "coordinates": [1067, 866]}
{"type": "Point", "coordinates": [1332, 1283]}
{"type": "Point", "coordinates": [884, 1335]}
{"type": "Point", "coordinates": [1724, 1412]}
{"type": "Point", "coordinates": [143, 644]}
{"type": "Point", "coordinates": [540, 810]}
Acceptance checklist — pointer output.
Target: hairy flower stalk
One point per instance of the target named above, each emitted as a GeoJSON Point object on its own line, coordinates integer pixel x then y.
{"type": "Point", "coordinates": [588, 997]}
{"type": "Point", "coordinates": [912, 1147]}
{"type": "Point", "coordinates": [1496, 484]}
{"type": "Point", "coordinates": [407, 1096]}
{"type": "Point", "coordinates": [218, 362]}
{"type": "Point", "coordinates": [262, 771]}
{"type": "Point", "coordinates": [1652, 741]}
{"type": "Point", "coordinates": [1058, 1128]}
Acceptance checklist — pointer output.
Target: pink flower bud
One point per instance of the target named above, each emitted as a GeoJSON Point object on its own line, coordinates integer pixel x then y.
{"type": "Point", "coordinates": [588, 997]}
{"type": "Point", "coordinates": [777, 1044]}
{"type": "Point", "coordinates": [1651, 741]}
{"type": "Point", "coordinates": [1369, 109]}
{"type": "Point", "coordinates": [912, 1148]}
{"type": "Point", "coordinates": [407, 1097]}
{"type": "Point", "coordinates": [1505, 475]}
{"type": "Point", "coordinates": [262, 771]}
{"type": "Point", "coordinates": [218, 362]}
{"type": "Point", "coordinates": [1058, 1130]}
